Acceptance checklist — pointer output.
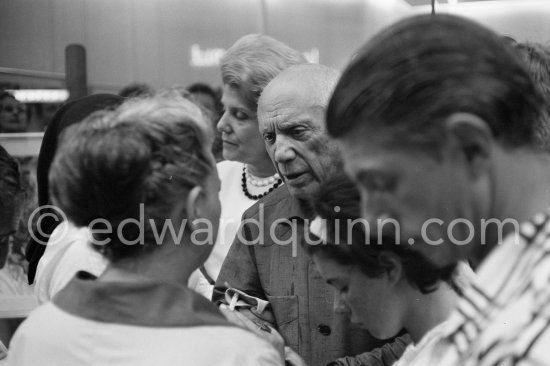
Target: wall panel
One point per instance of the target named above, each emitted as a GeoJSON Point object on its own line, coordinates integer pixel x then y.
{"type": "Point", "coordinates": [108, 41]}
{"type": "Point", "coordinates": [166, 42]}
{"type": "Point", "coordinates": [26, 34]}
{"type": "Point", "coordinates": [69, 19]}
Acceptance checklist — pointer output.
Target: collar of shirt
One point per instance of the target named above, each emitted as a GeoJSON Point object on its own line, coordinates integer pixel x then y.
{"type": "Point", "coordinates": [286, 206]}
{"type": "Point", "coordinates": [150, 303]}
{"type": "Point", "coordinates": [516, 268]}
{"type": "Point", "coordinates": [509, 268]}
{"type": "Point", "coordinates": [291, 213]}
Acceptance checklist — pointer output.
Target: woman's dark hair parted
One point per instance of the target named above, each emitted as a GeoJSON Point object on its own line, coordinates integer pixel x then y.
{"type": "Point", "coordinates": [129, 163]}
{"type": "Point", "coordinates": [346, 242]}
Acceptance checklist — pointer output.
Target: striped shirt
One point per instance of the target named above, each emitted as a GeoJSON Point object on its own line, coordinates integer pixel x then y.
{"type": "Point", "coordinates": [503, 318]}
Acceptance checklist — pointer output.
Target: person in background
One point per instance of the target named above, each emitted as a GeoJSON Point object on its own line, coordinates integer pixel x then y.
{"type": "Point", "coordinates": [15, 304]}
{"type": "Point", "coordinates": [136, 90]}
{"type": "Point", "coordinates": [449, 151]}
{"type": "Point", "coordinates": [248, 173]}
{"type": "Point", "coordinates": [13, 114]}
{"type": "Point", "coordinates": [148, 160]}
{"type": "Point", "coordinates": [42, 116]}
{"type": "Point", "coordinates": [204, 95]}
{"type": "Point", "coordinates": [59, 264]}
{"type": "Point", "coordinates": [266, 260]}
{"type": "Point", "coordinates": [385, 286]}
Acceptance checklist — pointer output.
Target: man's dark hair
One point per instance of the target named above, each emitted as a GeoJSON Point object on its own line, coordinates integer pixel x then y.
{"type": "Point", "coordinates": [537, 58]}
{"type": "Point", "coordinates": [347, 244]}
{"type": "Point", "coordinates": [414, 74]}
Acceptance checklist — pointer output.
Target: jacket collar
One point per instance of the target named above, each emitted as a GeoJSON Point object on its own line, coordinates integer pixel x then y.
{"type": "Point", "coordinates": [287, 206]}
{"type": "Point", "coordinates": [149, 303]}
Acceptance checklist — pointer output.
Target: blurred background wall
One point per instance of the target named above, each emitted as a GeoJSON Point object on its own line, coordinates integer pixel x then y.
{"type": "Point", "coordinates": [167, 42]}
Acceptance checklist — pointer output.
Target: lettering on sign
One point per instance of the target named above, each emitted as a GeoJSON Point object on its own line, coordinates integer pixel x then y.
{"type": "Point", "coordinates": [207, 57]}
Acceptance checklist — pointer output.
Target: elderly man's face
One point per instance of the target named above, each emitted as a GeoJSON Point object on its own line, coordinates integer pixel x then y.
{"type": "Point", "coordinates": [430, 199]}
{"type": "Point", "coordinates": [296, 139]}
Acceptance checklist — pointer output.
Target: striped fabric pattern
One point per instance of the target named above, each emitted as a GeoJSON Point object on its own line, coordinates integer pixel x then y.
{"type": "Point", "coordinates": [503, 318]}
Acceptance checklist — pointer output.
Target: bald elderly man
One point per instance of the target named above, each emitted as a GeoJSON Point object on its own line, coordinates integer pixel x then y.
{"type": "Point", "coordinates": [267, 259]}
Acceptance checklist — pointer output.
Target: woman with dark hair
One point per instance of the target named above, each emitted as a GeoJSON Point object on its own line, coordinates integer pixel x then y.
{"type": "Point", "coordinates": [248, 173]}
{"type": "Point", "coordinates": [57, 250]}
{"type": "Point", "coordinates": [143, 180]}
{"type": "Point", "coordinates": [384, 284]}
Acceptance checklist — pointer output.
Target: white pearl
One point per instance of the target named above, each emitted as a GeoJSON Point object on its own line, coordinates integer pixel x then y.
{"type": "Point", "coordinates": [260, 183]}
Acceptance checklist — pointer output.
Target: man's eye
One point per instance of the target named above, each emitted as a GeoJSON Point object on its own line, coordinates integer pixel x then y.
{"type": "Point", "coordinates": [298, 132]}
{"type": "Point", "coordinates": [269, 137]}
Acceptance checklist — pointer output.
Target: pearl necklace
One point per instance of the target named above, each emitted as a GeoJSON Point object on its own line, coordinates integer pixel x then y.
{"type": "Point", "coordinates": [274, 179]}
{"type": "Point", "coordinates": [260, 182]}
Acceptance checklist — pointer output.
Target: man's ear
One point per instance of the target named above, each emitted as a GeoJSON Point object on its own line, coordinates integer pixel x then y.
{"type": "Point", "coordinates": [472, 139]}
{"type": "Point", "coordinates": [393, 268]}
{"type": "Point", "coordinates": [193, 205]}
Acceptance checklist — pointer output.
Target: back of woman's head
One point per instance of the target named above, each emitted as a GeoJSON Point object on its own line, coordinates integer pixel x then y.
{"type": "Point", "coordinates": [251, 63]}
{"type": "Point", "coordinates": [348, 239]}
{"type": "Point", "coordinates": [133, 163]}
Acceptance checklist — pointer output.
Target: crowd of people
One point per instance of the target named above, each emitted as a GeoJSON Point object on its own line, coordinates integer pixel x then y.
{"type": "Point", "coordinates": [395, 213]}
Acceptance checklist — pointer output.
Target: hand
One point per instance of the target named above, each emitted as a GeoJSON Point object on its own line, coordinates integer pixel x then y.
{"type": "Point", "coordinates": [248, 320]}
{"type": "Point", "coordinates": [265, 317]}
{"type": "Point", "coordinates": [293, 358]}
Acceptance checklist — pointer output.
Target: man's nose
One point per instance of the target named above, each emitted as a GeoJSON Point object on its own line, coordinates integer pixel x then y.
{"type": "Point", "coordinates": [284, 151]}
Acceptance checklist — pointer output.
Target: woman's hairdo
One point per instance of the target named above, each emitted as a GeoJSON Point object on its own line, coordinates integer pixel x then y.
{"type": "Point", "coordinates": [131, 164]}
{"type": "Point", "coordinates": [251, 63]}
